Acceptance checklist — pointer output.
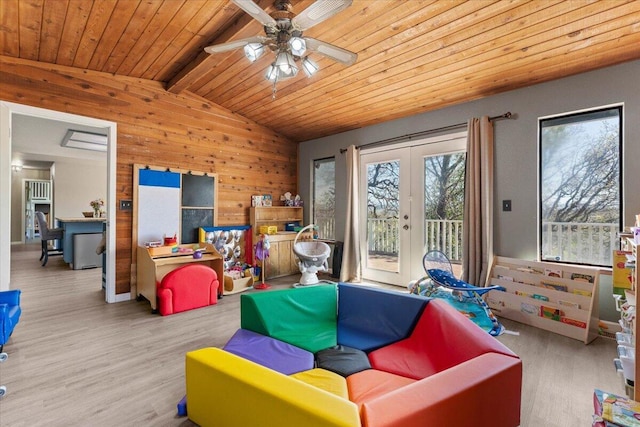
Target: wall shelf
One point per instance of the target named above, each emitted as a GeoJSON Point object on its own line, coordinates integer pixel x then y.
{"type": "Point", "coordinates": [281, 261]}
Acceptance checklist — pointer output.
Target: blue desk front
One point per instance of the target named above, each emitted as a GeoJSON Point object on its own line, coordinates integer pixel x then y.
{"type": "Point", "coordinates": [73, 226]}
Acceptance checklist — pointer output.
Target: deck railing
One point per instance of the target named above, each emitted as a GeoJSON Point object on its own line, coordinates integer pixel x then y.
{"type": "Point", "coordinates": [587, 243]}
{"type": "Point", "coordinates": [443, 235]}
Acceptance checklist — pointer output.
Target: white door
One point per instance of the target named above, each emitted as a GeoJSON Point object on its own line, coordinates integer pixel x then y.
{"type": "Point", "coordinates": [403, 187]}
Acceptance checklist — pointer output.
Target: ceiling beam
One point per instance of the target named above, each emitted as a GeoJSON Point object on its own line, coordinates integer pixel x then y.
{"type": "Point", "coordinates": [242, 26]}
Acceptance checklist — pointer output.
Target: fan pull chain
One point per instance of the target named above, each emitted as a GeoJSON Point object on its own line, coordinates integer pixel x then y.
{"type": "Point", "coordinates": [274, 90]}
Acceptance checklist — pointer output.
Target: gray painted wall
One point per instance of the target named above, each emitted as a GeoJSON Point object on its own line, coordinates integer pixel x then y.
{"type": "Point", "coordinates": [515, 147]}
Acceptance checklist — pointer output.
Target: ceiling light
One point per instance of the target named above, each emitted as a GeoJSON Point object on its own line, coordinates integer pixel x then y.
{"type": "Point", "coordinates": [283, 31]}
{"type": "Point", "coordinates": [286, 65]}
{"type": "Point", "coordinates": [309, 67]}
{"type": "Point", "coordinates": [298, 46]}
{"type": "Point", "coordinates": [84, 140]}
{"type": "Point", "coordinates": [272, 73]}
{"type": "Point", "coordinates": [253, 51]}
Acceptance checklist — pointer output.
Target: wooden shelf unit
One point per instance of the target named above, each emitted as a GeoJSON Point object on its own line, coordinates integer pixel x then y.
{"type": "Point", "coordinates": [281, 261]}
{"type": "Point", "coordinates": [633, 246]}
{"type": "Point", "coordinates": [526, 293]}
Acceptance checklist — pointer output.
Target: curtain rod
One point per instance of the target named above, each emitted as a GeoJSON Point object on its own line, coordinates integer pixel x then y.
{"type": "Point", "coordinates": [410, 136]}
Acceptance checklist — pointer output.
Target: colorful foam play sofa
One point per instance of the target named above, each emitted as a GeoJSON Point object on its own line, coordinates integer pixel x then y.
{"type": "Point", "coordinates": [350, 355]}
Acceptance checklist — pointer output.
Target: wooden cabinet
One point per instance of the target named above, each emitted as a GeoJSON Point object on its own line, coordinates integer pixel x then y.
{"type": "Point", "coordinates": [281, 261]}
{"type": "Point", "coordinates": [556, 297]}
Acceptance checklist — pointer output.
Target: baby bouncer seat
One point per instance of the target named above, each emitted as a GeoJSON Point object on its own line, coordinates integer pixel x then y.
{"type": "Point", "coordinates": [441, 283]}
{"type": "Point", "coordinates": [312, 256]}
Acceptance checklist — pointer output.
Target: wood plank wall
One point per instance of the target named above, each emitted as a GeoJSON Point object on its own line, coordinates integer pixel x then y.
{"type": "Point", "coordinates": [162, 129]}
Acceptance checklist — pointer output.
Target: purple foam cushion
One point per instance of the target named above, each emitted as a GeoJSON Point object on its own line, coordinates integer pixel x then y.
{"type": "Point", "coordinates": [269, 352]}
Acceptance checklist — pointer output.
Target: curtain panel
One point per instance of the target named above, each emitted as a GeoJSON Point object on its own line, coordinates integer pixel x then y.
{"type": "Point", "coordinates": [477, 239]}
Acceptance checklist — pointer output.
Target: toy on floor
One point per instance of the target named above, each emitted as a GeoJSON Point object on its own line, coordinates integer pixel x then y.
{"type": "Point", "coordinates": [312, 256]}
{"type": "Point", "coordinates": [466, 298]}
{"type": "Point", "coordinates": [262, 253]}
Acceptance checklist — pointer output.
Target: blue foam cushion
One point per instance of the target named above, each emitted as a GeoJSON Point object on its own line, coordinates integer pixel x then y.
{"type": "Point", "coordinates": [370, 318]}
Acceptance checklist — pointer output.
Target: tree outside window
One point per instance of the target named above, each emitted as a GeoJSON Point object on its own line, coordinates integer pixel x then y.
{"type": "Point", "coordinates": [580, 186]}
{"type": "Point", "coordinates": [324, 196]}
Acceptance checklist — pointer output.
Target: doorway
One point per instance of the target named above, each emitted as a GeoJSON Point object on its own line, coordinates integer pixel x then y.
{"type": "Point", "coordinates": [7, 113]}
{"type": "Point", "coordinates": [413, 201]}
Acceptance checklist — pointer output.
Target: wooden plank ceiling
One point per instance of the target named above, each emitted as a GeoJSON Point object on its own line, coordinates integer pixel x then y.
{"type": "Point", "coordinates": [413, 56]}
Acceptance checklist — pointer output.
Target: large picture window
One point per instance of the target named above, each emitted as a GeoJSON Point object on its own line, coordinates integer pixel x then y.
{"type": "Point", "coordinates": [324, 196]}
{"type": "Point", "coordinates": [580, 186]}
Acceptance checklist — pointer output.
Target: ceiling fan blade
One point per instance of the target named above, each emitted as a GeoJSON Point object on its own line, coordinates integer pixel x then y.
{"type": "Point", "coordinates": [331, 51]}
{"type": "Point", "coordinates": [319, 11]}
{"type": "Point", "coordinates": [223, 47]}
{"type": "Point", "coordinates": [256, 12]}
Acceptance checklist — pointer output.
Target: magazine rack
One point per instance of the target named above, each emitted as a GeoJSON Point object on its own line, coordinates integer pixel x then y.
{"type": "Point", "coordinates": [556, 297]}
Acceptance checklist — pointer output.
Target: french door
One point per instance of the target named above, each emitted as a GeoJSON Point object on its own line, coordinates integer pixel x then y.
{"type": "Point", "coordinates": [402, 187]}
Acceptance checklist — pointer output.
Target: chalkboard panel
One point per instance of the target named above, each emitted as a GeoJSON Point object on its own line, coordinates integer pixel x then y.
{"type": "Point", "coordinates": [192, 220]}
{"type": "Point", "coordinates": [197, 190]}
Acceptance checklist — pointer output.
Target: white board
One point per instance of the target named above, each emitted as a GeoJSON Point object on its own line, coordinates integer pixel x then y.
{"type": "Point", "coordinates": [158, 205]}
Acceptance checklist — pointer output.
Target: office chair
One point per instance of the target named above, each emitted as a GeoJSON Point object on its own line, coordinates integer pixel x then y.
{"type": "Point", "coordinates": [47, 234]}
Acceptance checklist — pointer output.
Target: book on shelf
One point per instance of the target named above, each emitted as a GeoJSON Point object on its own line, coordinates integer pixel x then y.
{"type": "Point", "coordinates": [619, 410]}
{"type": "Point", "coordinates": [574, 322]}
{"type": "Point", "coordinates": [554, 286]}
{"type": "Point", "coordinates": [569, 304]}
{"type": "Point", "coordinates": [580, 277]}
{"type": "Point", "coordinates": [550, 313]}
{"type": "Point", "coordinates": [552, 272]}
{"type": "Point", "coordinates": [529, 270]}
{"type": "Point", "coordinates": [582, 292]}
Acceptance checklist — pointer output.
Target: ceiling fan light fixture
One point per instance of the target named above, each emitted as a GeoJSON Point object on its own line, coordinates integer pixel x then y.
{"type": "Point", "coordinates": [253, 51]}
{"type": "Point", "coordinates": [272, 73]}
{"type": "Point", "coordinates": [298, 46]}
{"type": "Point", "coordinates": [286, 65]}
{"type": "Point", "coordinates": [284, 37]}
{"type": "Point", "coordinates": [309, 67]}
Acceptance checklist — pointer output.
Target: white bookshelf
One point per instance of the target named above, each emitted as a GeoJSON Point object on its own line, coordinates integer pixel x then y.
{"type": "Point", "coordinates": [566, 293]}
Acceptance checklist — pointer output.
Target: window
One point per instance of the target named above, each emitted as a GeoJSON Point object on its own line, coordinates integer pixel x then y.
{"type": "Point", "coordinates": [580, 186]}
{"type": "Point", "coordinates": [444, 203]}
{"type": "Point", "coordinates": [324, 196]}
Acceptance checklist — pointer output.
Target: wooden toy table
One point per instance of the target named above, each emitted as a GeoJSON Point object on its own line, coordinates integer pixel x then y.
{"type": "Point", "coordinates": [154, 263]}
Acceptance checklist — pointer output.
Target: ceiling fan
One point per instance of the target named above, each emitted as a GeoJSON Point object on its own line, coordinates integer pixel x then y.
{"type": "Point", "coordinates": [283, 36]}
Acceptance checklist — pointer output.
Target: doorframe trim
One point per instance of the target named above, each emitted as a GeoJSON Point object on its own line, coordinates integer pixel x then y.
{"type": "Point", "coordinates": [7, 110]}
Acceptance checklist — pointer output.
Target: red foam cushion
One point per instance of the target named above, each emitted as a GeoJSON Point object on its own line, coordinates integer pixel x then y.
{"type": "Point", "coordinates": [442, 338]}
{"type": "Point", "coordinates": [367, 385]}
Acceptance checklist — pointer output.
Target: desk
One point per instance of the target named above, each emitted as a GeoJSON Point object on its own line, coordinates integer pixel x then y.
{"type": "Point", "coordinates": [151, 269]}
{"type": "Point", "coordinates": [73, 226]}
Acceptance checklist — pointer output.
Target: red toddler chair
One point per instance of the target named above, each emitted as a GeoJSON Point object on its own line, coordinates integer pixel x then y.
{"type": "Point", "coordinates": [187, 287]}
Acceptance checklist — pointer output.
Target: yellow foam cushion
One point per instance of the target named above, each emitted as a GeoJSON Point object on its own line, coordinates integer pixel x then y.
{"type": "Point", "coordinates": [224, 390]}
{"type": "Point", "coordinates": [325, 380]}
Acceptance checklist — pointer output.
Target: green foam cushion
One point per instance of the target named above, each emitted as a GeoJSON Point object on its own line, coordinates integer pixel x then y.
{"type": "Point", "coordinates": [305, 317]}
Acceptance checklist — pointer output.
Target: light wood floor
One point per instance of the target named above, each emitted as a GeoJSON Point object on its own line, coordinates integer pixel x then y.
{"type": "Point", "coordinates": [76, 361]}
